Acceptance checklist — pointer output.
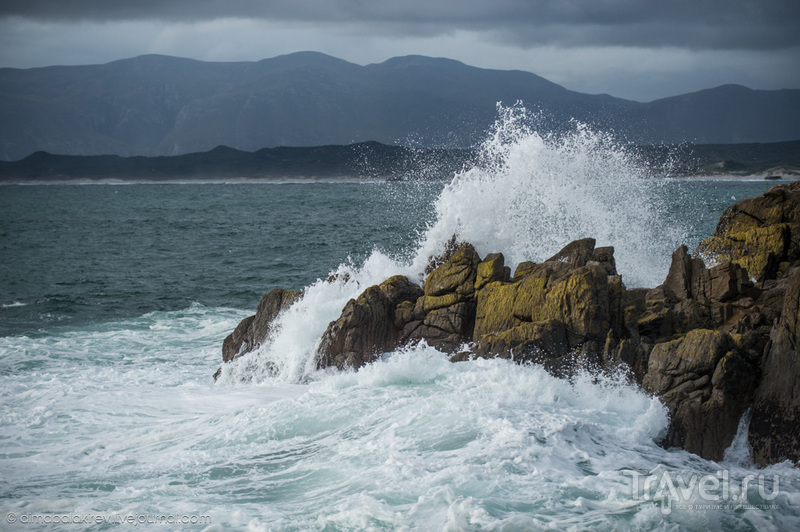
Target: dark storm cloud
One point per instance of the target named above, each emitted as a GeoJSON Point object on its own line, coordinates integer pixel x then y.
{"type": "Point", "coordinates": [693, 24]}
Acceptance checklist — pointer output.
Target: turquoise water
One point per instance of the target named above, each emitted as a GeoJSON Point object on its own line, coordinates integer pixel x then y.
{"type": "Point", "coordinates": [115, 301]}
{"type": "Point", "coordinates": [82, 254]}
{"type": "Point", "coordinates": [93, 253]}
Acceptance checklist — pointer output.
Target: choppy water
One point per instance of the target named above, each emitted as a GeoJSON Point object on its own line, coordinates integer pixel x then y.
{"type": "Point", "coordinates": [115, 301]}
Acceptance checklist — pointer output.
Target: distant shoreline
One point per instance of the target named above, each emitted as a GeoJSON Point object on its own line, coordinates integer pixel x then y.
{"type": "Point", "coordinates": [199, 181]}
{"type": "Point", "coordinates": [315, 181]}
{"type": "Point", "coordinates": [738, 177]}
{"type": "Point", "coordinates": [374, 161]}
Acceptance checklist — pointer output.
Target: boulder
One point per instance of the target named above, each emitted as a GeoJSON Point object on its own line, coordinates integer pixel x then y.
{"type": "Point", "coordinates": [706, 383]}
{"type": "Point", "coordinates": [254, 330]}
{"type": "Point", "coordinates": [444, 316]}
{"type": "Point", "coordinates": [367, 326]}
{"type": "Point", "coordinates": [548, 310]}
{"type": "Point", "coordinates": [761, 234]}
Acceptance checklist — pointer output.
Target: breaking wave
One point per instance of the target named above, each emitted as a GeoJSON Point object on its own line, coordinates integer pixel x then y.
{"type": "Point", "coordinates": [533, 193]}
{"type": "Point", "coordinates": [528, 195]}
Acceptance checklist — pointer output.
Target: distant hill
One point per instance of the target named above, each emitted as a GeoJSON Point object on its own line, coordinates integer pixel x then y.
{"type": "Point", "coordinates": [159, 105]}
{"type": "Point", "coordinates": [371, 160]}
{"type": "Point", "coordinates": [366, 160]}
{"type": "Point", "coordinates": [776, 158]}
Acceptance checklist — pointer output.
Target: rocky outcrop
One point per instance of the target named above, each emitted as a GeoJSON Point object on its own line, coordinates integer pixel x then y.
{"type": "Point", "coordinates": [444, 316]}
{"type": "Point", "coordinates": [706, 382]}
{"type": "Point", "coordinates": [710, 330]}
{"type": "Point", "coordinates": [569, 304]}
{"type": "Point", "coordinates": [710, 342]}
{"type": "Point", "coordinates": [368, 325]}
{"type": "Point", "coordinates": [253, 330]}
{"type": "Point", "coordinates": [761, 234]}
{"type": "Point", "coordinates": [696, 297]}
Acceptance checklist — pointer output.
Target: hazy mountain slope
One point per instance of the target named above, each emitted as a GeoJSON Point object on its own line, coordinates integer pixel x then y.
{"type": "Point", "coordinates": [158, 105]}
{"type": "Point", "coordinates": [726, 114]}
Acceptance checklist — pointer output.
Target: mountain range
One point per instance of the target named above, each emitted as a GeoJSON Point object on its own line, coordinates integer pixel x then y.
{"type": "Point", "coordinates": [159, 105]}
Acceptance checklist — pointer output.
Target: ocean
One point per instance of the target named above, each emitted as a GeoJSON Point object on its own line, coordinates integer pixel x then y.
{"type": "Point", "coordinates": [115, 299]}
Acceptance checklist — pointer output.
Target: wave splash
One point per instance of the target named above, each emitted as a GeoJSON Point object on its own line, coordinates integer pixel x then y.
{"type": "Point", "coordinates": [533, 193]}
{"type": "Point", "coordinates": [528, 195]}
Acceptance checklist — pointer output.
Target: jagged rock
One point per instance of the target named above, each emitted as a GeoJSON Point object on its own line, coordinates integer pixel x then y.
{"type": "Point", "coordinates": [633, 354]}
{"type": "Point", "coordinates": [580, 252]}
{"type": "Point", "coordinates": [605, 256]}
{"type": "Point", "coordinates": [681, 272]}
{"type": "Point", "coordinates": [774, 433]}
{"type": "Point", "coordinates": [445, 315]}
{"type": "Point", "coordinates": [547, 310]}
{"type": "Point", "coordinates": [761, 234]}
{"type": "Point", "coordinates": [706, 384]}
{"type": "Point", "coordinates": [575, 254]}
{"type": "Point", "coordinates": [456, 274]}
{"type": "Point", "coordinates": [491, 269]}
{"type": "Point", "coordinates": [253, 330]}
{"type": "Point", "coordinates": [523, 269]}
{"type": "Point", "coordinates": [241, 336]}
{"type": "Point", "coordinates": [695, 297]}
{"type": "Point", "coordinates": [367, 327]}
{"type": "Point", "coordinates": [437, 260]}
{"type": "Point", "coordinates": [705, 403]}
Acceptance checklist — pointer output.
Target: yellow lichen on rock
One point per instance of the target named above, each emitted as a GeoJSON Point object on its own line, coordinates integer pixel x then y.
{"type": "Point", "coordinates": [491, 269]}
{"type": "Point", "coordinates": [495, 308]}
{"type": "Point", "coordinates": [456, 274]}
{"type": "Point", "coordinates": [760, 233]}
{"type": "Point", "coordinates": [757, 249]}
{"type": "Point", "coordinates": [580, 302]}
{"type": "Point", "coordinates": [429, 303]}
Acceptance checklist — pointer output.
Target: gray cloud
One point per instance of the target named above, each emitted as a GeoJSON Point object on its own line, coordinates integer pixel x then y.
{"type": "Point", "coordinates": [692, 24]}
{"type": "Point", "coordinates": [637, 49]}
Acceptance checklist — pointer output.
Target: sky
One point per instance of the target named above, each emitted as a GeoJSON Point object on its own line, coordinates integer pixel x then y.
{"type": "Point", "coordinates": [636, 49]}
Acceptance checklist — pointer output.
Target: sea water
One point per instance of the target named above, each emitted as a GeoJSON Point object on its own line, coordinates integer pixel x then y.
{"type": "Point", "coordinates": [115, 300]}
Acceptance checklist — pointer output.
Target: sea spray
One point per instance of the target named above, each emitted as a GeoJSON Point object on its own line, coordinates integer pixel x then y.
{"type": "Point", "coordinates": [532, 193]}
{"type": "Point", "coordinates": [288, 355]}
{"type": "Point", "coordinates": [528, 195]}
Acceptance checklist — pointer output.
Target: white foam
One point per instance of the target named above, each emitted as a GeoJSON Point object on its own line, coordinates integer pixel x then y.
{"type": "Point", "coordinates": [739, 452]}
{"type": "Point", "coordinates": [411, 441]}
{"type": "Point", "coordinates": [288, 355]}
